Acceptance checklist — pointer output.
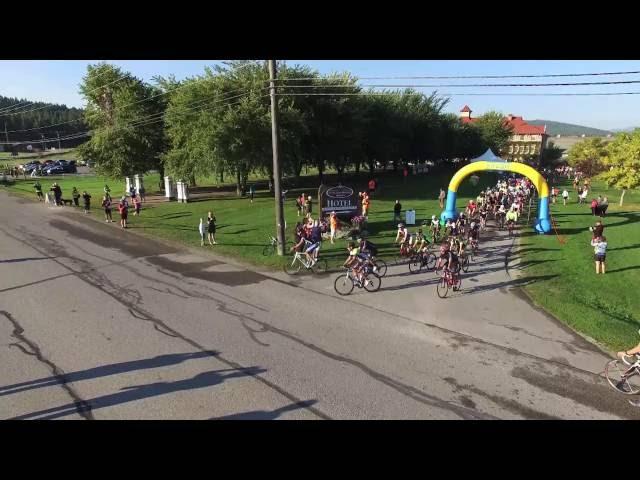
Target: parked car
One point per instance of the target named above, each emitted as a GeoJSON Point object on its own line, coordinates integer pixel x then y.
{"type": "Point", "coordinates": [54, 170]}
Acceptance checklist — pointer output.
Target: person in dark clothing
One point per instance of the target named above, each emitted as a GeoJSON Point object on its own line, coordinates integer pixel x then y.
{"type": "Point", "coordinates": [87, 201]}
{"type": "Point", "coordinates": [142, 193]}
{"type": "Point", "coordinates": [38, 189]}
{"type": "Point", "coordinates": [211, 228]}
{"type": "Point", "coordinates": [106, 204]}
{"type": "Point", "coordinates": [76, 197]}
{"type": "Point", "coordinates": [397, 209]}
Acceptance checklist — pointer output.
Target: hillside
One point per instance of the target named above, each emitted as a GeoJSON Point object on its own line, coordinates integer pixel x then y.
{"type": "Point", "coordinates": [569, 129]}
{"type": "Point", "coordinates": [22, 119]}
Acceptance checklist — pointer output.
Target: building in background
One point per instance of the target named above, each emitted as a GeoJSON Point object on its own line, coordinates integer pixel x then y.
{"type": "Point", "coordinates": [526, 143]}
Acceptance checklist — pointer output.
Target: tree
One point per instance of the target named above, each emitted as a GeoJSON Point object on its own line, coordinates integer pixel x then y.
{"type": "Point", "coordinates": [494, 131]}
{"type": "Point", "coordinates": [588, 156]}
{"type": "Point", "coordinates": [551, 155]}
{"type": "Point", "coordinates": [125, 117]}
{"type": "Point", "coordinates": [623, 162]}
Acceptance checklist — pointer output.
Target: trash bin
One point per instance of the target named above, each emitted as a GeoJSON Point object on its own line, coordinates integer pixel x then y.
{"type": "Point", "coordinates": [410, 217]}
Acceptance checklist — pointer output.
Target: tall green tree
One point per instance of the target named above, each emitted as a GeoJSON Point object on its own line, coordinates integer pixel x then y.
{"type": "Point", "coordinates": [551, 155]}
{"type": "Point", "coordinates": [125, 116]}
{"type": "Point", "coordinates": [494, 131]}
{"type": "Point", "coordinates": [588, 156]}
{"type": "Point", "coordinates": [623, 162]}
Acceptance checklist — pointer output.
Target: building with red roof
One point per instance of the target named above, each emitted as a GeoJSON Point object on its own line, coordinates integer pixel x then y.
{"type": "Point", "coordinates": [527, 141]}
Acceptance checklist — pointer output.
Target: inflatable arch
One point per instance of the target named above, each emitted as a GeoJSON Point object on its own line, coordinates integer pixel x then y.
{"type": "Point", "coordinates": [543, 223]}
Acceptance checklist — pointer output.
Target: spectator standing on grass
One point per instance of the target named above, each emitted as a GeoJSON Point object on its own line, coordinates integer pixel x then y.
{"type": "Point", "coordinates": [38, 189]}
{"type": "Point", "coordinates": [123, 209]}
{"type": "Point", "coordinates": [594, 207]}
{"type": "Point", "coordinates": [397, 211]}
{"type": "Point", "coordinates": [372, 186]}
{"type": "Point", "coordinates": [303, 203]}
{"type": "Point", "coordinates": [333, 224]}
{"type": "Point", "coordinates": [600, 252]}
{"type": "Point", "coordinates": [585, 193]}
{"type": "Point", "coordinates": [106, 204]}
{"type": "Point", "coordinates": [365, 204]}
{"type": "Point", "coordinates": [141, 193]}
{"type": "Point", "coordinates": [251, 193]}
{"type": "Point", "coordinates": [86, 198]}
{"type": "Point", "coordinates": [136, 205]}
{"type": "Point", "coordinates": [597, 230]}
{"type": "Point", "coordinates": [202, 232]}
{"type": "Point", "coordinates": [441, 198]}
{"type": "Point", "coordinates": [57, 193]}
{"type": "Point", "coordinates": [211, 228]}
{"type": "Point", "coordinates": [76, 196]}
{"type": "Point", "coordinates": [309, 205]}
{"type": "Point", "coordinates": [603, 206]}
{"type": "Point", "coordinates": [298, 206]}
{"type": "Point", "coordinates": [565, 196]}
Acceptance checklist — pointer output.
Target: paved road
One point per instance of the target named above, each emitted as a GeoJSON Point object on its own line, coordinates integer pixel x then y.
{"type": "Point", "coordinates": [96, 323]}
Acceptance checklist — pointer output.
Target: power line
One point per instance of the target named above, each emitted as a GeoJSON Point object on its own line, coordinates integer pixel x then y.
{"type": "Point", "coordinates": [473, 85]}
{"type": "Point", "coordinates": [461, 77]}
{"type": "Point", "coordinates": [460, 94]}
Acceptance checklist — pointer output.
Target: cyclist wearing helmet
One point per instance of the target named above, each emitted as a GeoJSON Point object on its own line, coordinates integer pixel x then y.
{"type": "Point", "coordinates": [403, 236]}
{"type": "Point", "coordinates": [419, 241]}
{"type": "Point", "coordinates": [448, 257]}
{"type": "Point", "coordinates": [435, 227]}
{"type": "Point", "coordinates": [634, 351]}
{"type": "Point", "coordinates": [512, 216]}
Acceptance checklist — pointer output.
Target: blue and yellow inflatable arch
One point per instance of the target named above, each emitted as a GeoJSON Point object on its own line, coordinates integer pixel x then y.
{"type": "Point", "coordinates": [543, 223]}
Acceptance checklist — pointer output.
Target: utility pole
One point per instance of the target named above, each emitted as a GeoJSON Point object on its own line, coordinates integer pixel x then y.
{"type": "Point", "coordinates": [275, 138]}
{"type": "Point", "coordinates": [6, 134]}
{"type": "Point", "coordinates": [58, 134]}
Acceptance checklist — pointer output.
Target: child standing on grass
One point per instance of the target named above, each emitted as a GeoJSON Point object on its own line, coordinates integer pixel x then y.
{"type": "Point", "coordinates": [87, 201]}
{"type": "Point", "coordinates": [600, 249]}
{"type": "Point", "coordinates": [76, 197]}
{"type": "Point", "coordinates": [565, 196]}
{"type": "Point", "coordinates": [106, 204]}
{"type": "Point", "coordinates": [211, 228]}
{"type": "Point", "coordinates": [136, 205]}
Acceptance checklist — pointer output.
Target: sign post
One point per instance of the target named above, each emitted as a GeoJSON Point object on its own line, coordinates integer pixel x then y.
{"type": "Point", "coordinates": [341, 199]}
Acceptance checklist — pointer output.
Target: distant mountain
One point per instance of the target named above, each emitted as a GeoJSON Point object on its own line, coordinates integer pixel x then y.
{"type": "Point", "coordinates": [559, 128]}
{"type": "Point", "coordinates": [628, 129]}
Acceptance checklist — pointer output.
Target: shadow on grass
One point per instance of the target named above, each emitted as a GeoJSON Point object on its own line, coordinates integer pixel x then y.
{"type": "Point", "coordinates": [631, 267]}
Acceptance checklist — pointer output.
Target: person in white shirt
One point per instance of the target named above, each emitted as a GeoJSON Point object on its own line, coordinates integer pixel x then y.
{"type": "Point", "coordinates": [600, 252]}
{"type": "Point", "coordinates": [565, 196]}
{"type": "Point", "coordinates": [202, 232]}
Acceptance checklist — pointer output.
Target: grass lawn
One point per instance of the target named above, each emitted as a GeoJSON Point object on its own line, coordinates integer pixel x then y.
{"type": "Point", "coordinates": [244, 228]}
{"type": "Point", "coordinates": [603, 307]}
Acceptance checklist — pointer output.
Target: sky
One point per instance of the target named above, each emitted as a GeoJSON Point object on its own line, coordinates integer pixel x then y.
{"type": "Point", "coordinates": [57, 81]}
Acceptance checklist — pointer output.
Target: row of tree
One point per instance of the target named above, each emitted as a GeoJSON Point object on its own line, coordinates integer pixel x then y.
{"type": "Point", "coordinates": [219, 122]}
{"type": "Point", "coordinates": [617, 162]}
{"type": "Point", "coordinates": [21, 120]}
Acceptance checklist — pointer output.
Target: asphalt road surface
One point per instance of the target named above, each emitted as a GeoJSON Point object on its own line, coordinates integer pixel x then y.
{"type": "Point", "coordinates": [98, 323]}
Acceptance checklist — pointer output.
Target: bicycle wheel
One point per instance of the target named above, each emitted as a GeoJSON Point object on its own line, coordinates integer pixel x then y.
{"type": "Point", "coordinates": [619, 379]}
{"type": "Point", "coordinates": [343, 285]}
{"type": "Point", "coordinates": [430, 261]}
{"type": "Point", "coordinates": [465, 265]}
{"type": "Point", "coordinates": [292, 267]}
{"type": "Point", "coordinates": [415, 264]}
{"type": "Point", "coordinates": [269, 250]}
{"type": "Point", "coordinates": [372, 282]}
{"type": "Point", "coordinates": [442, 287]}
{"type": "Point", "coordinates": [320, 266]}
{"type": "Point", "coordinates": [381, 267]}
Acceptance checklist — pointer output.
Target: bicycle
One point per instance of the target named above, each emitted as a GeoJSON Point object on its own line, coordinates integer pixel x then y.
{"type": "Point", "coordinates": [406, 252]}
{"type": "Point", "coordinates": [500, 220]}
{"type": "Point", "coordinates": [300, 260]}
{"type": "Point", "coordinates": [271, 247]}
{"type": "Point", "coordinates": [379, 266]}
{"type": "Point", "coordinates": [448, 279]}
{"type": "Point", "coordinates": [344, 284]}
{"type": "Point", "coordinates": [623, 375]}
{"type": "Point", "coordinates": [511, 225]}
{"type": "Point", "coordinates": [423, 259]}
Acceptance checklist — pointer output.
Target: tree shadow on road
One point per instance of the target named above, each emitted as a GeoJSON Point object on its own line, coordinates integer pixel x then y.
{"type": "Point", "coordinates": [27, 259]}
{"type": "Point", "coordinates": [516, 282]}
{"type": "Point", "coordinates": [105, 371]}
{"type": "Point", "coordinates": [266, 414]}
{"type": "Point", "coordinates": [141, 392]}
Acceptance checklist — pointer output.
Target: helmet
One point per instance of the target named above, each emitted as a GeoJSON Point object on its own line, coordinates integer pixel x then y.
{"type": "Point", "coordinates": [473, 225]}
{"type": "Point", "coordinates": [433, 217]}
{"type": "Point", "coordinates": [400, 225]}
{"type": "Point", "coordinates": [443, 248]}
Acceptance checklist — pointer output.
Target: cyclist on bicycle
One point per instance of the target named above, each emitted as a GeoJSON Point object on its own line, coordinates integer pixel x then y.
{"type": "Point", "coordinates": [435, 228]}
{"type": "Point", "coordinates": [315, 238]}
{"type": "Point", "coordinates": [483, 216]}
{"type": "Point", "coordinates": [300, 239]}
{"type": "Point", "coordinates": [448, 258]}
{"type": "Point", "coordinates": [368, 252]}
{"type": "Point", "coordinates": [419, 241]}
{"type": "Point", "coordinates": [403, 236]}
{"type": "Point", "coordinates": [630, 353]}
{"type": "Point", "coordinates": [474, 234]}
{"type": "Point", "coordinates": [512, 217]}
{"type": "Point", "coordinates": [355, 261]}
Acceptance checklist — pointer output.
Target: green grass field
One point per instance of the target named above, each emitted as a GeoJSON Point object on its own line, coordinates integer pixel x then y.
{"type": "Point", "coordinates": [603, 307]}
{"type": "Point", "coordinates": [560, 278]}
